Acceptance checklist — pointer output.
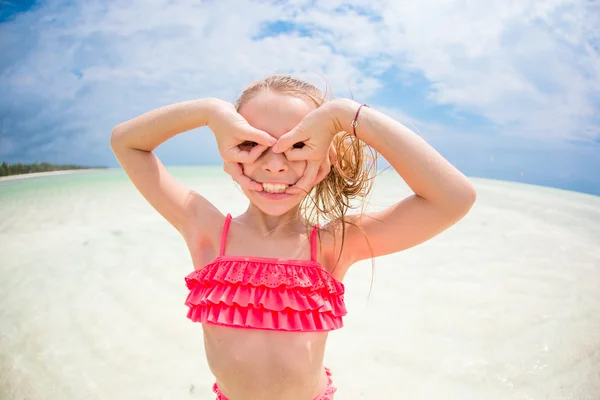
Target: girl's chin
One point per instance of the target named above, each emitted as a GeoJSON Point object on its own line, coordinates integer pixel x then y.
{"type": "Point", "coordinates": [274, 204]}
{"type": "Point", "coordinates": [274, 196]}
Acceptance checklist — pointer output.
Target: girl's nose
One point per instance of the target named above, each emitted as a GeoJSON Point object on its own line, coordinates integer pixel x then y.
{"type": "Point", "coordinates": [274, 162]}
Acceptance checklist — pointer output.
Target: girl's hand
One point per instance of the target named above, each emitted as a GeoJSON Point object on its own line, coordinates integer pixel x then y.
{"type": "Point", "coordinates": [311, 141]}
{"type": "Point", "coordinates": [238, 141]}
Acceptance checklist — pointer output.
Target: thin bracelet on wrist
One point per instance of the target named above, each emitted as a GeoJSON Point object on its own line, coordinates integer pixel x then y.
{"type": "Point", "coordinates": [354, 122]}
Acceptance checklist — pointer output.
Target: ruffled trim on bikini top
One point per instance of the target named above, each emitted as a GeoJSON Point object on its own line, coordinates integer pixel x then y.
{"type": "Point", "coordinates": [264, 293]}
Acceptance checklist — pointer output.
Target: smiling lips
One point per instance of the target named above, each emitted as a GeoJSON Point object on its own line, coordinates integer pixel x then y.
{"type": "Point", "coordinates": [275, 187]}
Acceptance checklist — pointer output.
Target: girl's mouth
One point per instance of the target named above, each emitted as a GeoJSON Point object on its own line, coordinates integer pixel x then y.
{"type": "Point", "coordinates": [275, 191]}
{"type": "Point", "coordinates": [275, 187]}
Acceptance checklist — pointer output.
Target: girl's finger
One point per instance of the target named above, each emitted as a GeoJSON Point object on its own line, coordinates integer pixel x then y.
{"type": "Point", "coordinates": [237, 174]}
{"type": "Point", "coordinates": [255, 152]}
{"type": "Point", "coordinates": [287, 140]}
{"type": "Point", "coordinates": [306, 182]}
{"type": "Point", "coordinates": [256, 135]}
{"type": "Point", "coordinates": [235, 154]}
{"type": "Point", "coordinates": [302, 154]}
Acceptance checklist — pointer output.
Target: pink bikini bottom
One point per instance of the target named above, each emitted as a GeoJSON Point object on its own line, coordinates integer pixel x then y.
{"type": "Point", "coordinates": [327, 394]}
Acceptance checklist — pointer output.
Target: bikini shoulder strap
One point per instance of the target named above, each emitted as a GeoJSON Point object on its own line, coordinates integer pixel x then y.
{"type": "Point", "coordinates": [313, 243]}
{"type": "Point", "coordinates": [224, 234]}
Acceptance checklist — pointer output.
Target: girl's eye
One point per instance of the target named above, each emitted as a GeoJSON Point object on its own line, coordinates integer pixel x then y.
{"type": "Point", "coordinates": [298, 145]}
{"type": "Point", "coordinates": [247, 145]}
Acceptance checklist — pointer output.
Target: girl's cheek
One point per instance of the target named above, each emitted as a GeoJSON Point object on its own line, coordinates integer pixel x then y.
{"type": "Point", "coordinates": [299, 168]}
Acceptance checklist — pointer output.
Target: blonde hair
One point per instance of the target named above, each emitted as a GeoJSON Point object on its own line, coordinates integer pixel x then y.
{"type": "Point", "coordinates": [351, 176]}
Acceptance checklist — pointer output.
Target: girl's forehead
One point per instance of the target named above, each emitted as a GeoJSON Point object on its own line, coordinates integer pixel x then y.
{"type": "Point", "coordinates": [275, 113]}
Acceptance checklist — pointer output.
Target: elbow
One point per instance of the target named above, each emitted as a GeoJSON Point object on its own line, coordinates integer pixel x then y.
{"type": "Point", "coordinates": [457, 202]}
{"type": "Point", "coordinates": [116, 137]}
{"type": "Point", "coordinates": [470, 194]}
{"type": "Point", "coordinates": [457, 199]}
{"type": "Point", "coordinates": [466, 199]}
{"type": "Point", "coordinates": [461, 200]}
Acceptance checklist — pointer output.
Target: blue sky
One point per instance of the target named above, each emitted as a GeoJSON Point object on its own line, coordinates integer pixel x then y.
{"type": "Point", "coordinates": [505, 90]}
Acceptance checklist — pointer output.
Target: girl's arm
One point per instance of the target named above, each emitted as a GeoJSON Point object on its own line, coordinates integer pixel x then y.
{"type": "Point", "coordinates": [133, 143]}
{"type": "Point", "coordinates": [443, 195]}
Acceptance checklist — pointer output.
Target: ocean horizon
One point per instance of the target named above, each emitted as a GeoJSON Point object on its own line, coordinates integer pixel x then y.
{"type": "Point", "coordinates": [205, 170]}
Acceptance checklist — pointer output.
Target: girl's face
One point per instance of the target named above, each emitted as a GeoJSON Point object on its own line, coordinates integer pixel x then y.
{"type": "Point", "coordinates": [275, 114]}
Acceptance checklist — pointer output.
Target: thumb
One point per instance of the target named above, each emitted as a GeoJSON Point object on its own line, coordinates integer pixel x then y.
{"type": "Point", "coordinates": [287, 140]}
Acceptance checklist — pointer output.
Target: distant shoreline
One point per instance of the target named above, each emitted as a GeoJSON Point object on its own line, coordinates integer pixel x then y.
{"type": "Point", "coordinates": [35, 174]}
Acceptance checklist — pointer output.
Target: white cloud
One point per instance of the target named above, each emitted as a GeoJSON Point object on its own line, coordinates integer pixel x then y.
{"type": "Point", "coordinates": [525, 64]}
{"type": "Point", "coordinates": [531, 65]}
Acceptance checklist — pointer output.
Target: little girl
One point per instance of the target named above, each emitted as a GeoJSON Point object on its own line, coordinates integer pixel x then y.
{"type": "Point", "coordinates": [267, 285]}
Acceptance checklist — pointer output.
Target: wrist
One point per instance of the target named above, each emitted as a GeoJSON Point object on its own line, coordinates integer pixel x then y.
{"type": "Point", "coordinates": [343, 112]}
{"type": "Point", "coordinates": [209, 107]}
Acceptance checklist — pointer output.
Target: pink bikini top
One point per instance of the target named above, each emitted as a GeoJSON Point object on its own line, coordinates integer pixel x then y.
{"type": "Point", "coordinates": [266, 293]}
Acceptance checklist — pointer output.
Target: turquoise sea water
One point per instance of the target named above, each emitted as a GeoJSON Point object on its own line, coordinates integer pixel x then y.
{"type": "Point", "coordinates": [92, 179]}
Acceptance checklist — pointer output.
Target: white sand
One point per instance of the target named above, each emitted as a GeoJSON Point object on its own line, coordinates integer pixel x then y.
{"type": "Point", "coordinates": [505, 305]}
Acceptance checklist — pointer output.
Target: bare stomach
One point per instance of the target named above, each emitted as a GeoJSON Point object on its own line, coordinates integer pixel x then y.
{"type": "Point", "coordinates": [259, 364]}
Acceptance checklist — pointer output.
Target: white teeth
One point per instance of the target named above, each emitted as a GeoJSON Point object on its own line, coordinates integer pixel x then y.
{"type": "Point", "coordinates": [274, 187]}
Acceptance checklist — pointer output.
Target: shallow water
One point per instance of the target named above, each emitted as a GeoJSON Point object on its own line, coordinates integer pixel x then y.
{"type": "Point", "coordinates": [504, 305]}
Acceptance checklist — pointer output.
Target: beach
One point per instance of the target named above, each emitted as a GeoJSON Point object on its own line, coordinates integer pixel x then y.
{"type": "Point", "coordinates": [504, 305]}
{"type": "Point", "coordinates": [47, 173]}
